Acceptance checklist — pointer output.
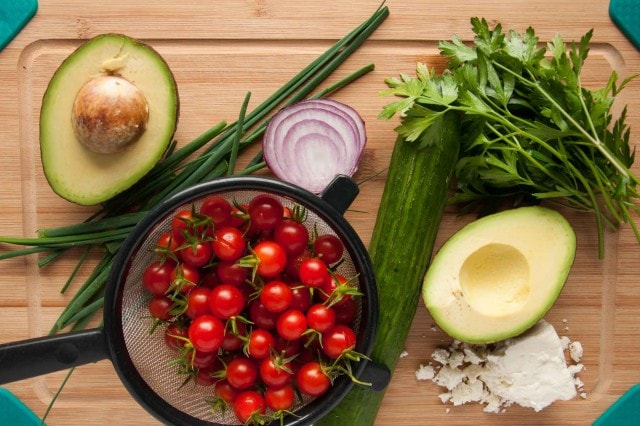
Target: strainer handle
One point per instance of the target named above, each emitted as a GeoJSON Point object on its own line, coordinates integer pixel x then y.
{"type": "Point", "coordinates": [42, 355]}
{"type": "Point", "coordinates": [340, 192]}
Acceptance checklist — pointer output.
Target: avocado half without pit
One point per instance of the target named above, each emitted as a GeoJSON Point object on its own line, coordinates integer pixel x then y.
{"type": "Point", "coordinates": [108, 115]}
{"type": "Point", "coordinates": [499, 275]}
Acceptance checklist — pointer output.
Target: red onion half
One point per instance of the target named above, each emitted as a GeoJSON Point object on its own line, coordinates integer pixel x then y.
{"type": "Point", "coordinates": [310, 142]}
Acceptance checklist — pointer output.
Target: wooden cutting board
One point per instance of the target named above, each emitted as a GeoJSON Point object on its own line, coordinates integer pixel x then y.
{"type": "Point", "coordinates": [219, 51]}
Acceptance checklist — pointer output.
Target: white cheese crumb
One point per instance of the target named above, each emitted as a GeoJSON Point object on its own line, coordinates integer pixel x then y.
{"type": "Point", "coordinates": [529, 370]}
{"type": "Point", "coordinates": [576, 351]}
{"type": "Point", "coordinates": [425, 372]}
{"type": "Point", "coordinates": [404, 354]}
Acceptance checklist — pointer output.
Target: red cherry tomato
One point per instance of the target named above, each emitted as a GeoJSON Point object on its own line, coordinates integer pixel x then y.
{"type": "Point", "coordinates": [218, 209]}
{"type": "Point", "coordinates": [175, 336]}
{"type": "Point", "coordinates": [225, 391]}
{"type": "Point", "coordinates": [271, 258]}
{"type": "Point", "coordinates": [247, 405]}
{"type": "Point", "coordinates": [197, 254]}
{"type": "Point", "coordinates": [291, 324]}
{"type": "Point", "coordinates": [232, 273]}
{"type": "Point", "coordinates": [265, 212]}
{"type": "Point", "coordinates": [312, 380]}
{"type": "Point", "coordinates": [320, 317]}
{"type": "Point", "coordinates": [260, 343]}
{"type": "Point", "coordinates": [274, 374]}
{"type": "Point", "coordinates": [226, 301]}
{"type": "Point", "coordinates": [160, 307]}
{"type": "Point", "coordinates": [261, 316]}
{"type": "Point", "coordinates": [242, 373]}
{"type": "Point", "coordinates": [206, 333]}
{"type": "Point", "coordinates": [229, 243]}
{"type": "Point", "coordinates": [198, 302]}
{"type": "Point", "coordinates": [156, 277]}
{"type": "Point", "coordinates": [293, 236]}
{"type": "Point", "coordinates": [329, 248]}
{"type": "Point", "coordinates": [338, 340]}
{"type": "Point", "coordinates": [279, 398]}
{"type": "Point", "coordinates": [313, 272]}
{"type": "Point", "coordinates": [276, 296]}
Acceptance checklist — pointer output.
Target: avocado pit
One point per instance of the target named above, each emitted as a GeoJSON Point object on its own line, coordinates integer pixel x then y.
{"type": "Point", "coordinates": [109, 114]}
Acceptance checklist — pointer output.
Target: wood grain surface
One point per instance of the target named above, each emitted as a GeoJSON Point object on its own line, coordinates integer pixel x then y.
{"type": "Point", "coordinates": [219, 50]}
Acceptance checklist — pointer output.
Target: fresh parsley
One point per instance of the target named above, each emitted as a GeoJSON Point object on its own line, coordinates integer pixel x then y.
{"type": "Point", "coordinates": [530, 130]}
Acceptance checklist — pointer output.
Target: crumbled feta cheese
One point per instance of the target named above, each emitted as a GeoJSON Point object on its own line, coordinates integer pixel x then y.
{"type": "Point", "coordinates": [404, 354]}
{"type": "Point", "coordinates": [449, 377]}
{"type": "Point", "coordinates": [576, 351]}
{"type": "Point", "coordinates": [425, 372]}
{"type": "Point", "coordinates": [529, 370]}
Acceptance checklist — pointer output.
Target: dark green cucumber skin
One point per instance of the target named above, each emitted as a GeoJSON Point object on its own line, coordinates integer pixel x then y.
{"type": "Point", "coordinates": [412, 206]}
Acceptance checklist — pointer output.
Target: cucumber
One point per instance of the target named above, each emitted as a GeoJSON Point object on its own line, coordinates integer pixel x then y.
{"type": "Point", "coordinates": [412, 206]}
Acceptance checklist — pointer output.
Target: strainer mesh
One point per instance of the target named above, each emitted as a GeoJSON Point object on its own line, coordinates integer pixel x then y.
{"type": "Point", "coordinates": [149, 353]}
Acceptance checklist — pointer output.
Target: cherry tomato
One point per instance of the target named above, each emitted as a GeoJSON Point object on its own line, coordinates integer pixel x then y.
{"type": "Point", "coordinates": [337, 340]}
{"type": "Point", "coordinates": [232, 273]}
{"type": "Point", "coordinates": [346, 311]}
{"type": "Point", "coordinates": [313, 272]}
{"type": "Point", "coordinates": [226, 301]}
{"type": "Point", "coordinates": [225, 391]}
{"type": "Point", "coordinates": [232, 341]}
{"type": "Point", "coordinates": [175, 336]}
{"type": "Point", "coordinates": [247, 405]}
{"type": "Point", "coordinates": [180, 223]}
{"type": "Point", "coordinates": [337, 288]}
{"type": "Point", "coordinates": [160, 307]}
{"type": "Point", "coordinates": [260, 343]}
{"type": "Point", "coordinates": [276, 296]}
{"type": "Point", "coordinates": [218, 209]}
{"type": "Point", "coordinates": [300, 297]}
{"type": "Point", "coordinates": [279, 398]}
{"type": "Point", "coordinates": [206, 333]}
{"type": "Point", "coordinates": [239, 216]}
{"type": "Point", "coordinates": [261, 316]}
{"type": "Point", "coordinates": [320, 317]}
{"type": "Point", "coordinates": [209, 279]}
{"type": "Point", "coordinates": [271, 258]}
{"type": "Point", "coordinates": [156, 277]}
{"type": "Point", "coordinates": [273, 373]}
{"type": "Point", "coordinates": [293, 236]}
{"type": "Point", "coordinates": [167, 244]}
{"type": "Point", "coordinates": [198, 302]}
{"type": "Point", "coordinates": [287, 348]}
{"type": "Point", "coordinates": [229, 243]}
{"type": "Point", "coordinates": [242, 373]}
{"type": "Point", "coordinates": [292, 267]}
{"type": "Point", "coordinates": [265, 212]}
{"type": "Point", "coordinates": [204, 377]}
{"type": "Point", "coordinates": [206, 360]}
{"type": "Point", "coordinates": [312, 380]}
{"type": "Point", "coordinates": [184, 278]}
{"type": "Point", "coordinates": [329, 248]}
{"type": "Point", "coordinates": [291, 324]}
{"type": "Point", "coordinates": [197, 254]}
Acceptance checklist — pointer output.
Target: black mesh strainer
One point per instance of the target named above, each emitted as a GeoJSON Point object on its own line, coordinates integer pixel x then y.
{"type": "Point", "coordinates": [141, 360]}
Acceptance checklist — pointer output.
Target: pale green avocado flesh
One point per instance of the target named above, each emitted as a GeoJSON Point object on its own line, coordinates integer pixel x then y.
{"type": "Point", "coordinates": [82, 175]}
{"type": "Point", "coordinates": [499, 275]}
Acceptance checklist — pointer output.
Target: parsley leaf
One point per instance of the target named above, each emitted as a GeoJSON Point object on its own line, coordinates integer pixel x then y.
{"type": "Point", "coordinates": [530, 130]}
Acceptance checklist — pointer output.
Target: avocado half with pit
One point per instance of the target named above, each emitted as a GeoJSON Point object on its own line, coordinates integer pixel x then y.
{"type": "Point", "coordinates": [497, 276]}
{"type": "Point", "coordinates": [107, 117]}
